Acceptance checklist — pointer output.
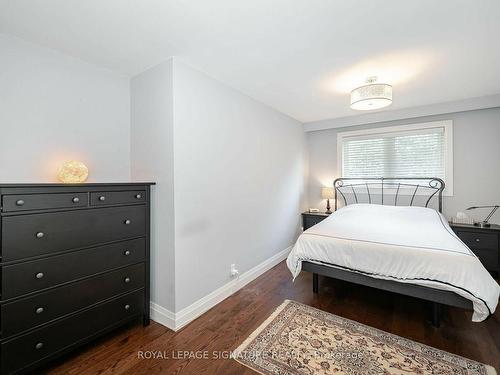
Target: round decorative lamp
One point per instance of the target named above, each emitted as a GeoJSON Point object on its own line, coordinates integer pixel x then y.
{"type": "Point", "coordinates": [371, 96]}
{"type": "Point", "coordinates": [73, 172]}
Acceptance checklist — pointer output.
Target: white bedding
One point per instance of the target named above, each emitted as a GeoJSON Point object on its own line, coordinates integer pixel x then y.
{"type": "Point", "coordinates": [405, 244]}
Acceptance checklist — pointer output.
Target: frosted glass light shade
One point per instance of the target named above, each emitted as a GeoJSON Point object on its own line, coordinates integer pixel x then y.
{"type": "Point", "coordinates": [73, 171]}
{"type": "Point", "coordinates": [372, 96]}
{"type": "Point", "coordinates": [327, 193]}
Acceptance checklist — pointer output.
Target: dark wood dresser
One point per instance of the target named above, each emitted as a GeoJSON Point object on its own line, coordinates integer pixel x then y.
{"type": "Point", "coordinates": [74, 265]}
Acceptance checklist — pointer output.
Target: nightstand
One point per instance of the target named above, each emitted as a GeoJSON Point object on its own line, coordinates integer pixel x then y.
{"type": "Point", "coordinates": [484, 242]}
{"type": "Point", "coordinates": [312, 218]}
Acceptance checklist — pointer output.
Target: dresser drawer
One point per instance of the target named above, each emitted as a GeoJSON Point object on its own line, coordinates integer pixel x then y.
{"type": "Point", "coordinates": [25, 236]}
{"type": "Point", "coordinates": [475, 240]}
{"type": "Point", "coordinates": [30, 312]}
{"type": "Point", "coordinates": [488, 258]}
{"type": "Point", "coordinates": [117, 197]}
{"type": "Point", "coordinates": [26, 277]}
{"type": "Point", "coordinates": [24, 202]}
{"type": "Point", "coordinates": [44, 342]}
{"type": "Point", "coordinates": [310, 220]}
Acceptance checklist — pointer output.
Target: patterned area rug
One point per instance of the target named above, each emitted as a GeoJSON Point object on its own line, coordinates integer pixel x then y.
{"type": "Point", "coordinates": [299, 339]}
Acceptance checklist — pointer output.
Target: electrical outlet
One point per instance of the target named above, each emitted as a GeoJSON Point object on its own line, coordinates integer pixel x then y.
{"type": "Point", "coordinates": [234, 271]}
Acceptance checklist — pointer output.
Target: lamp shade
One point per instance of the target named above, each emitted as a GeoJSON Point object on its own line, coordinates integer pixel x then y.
{"type": "Point", "coordinates": [371, 96]}
{"type": "Point", "coordinates": [327, 193]}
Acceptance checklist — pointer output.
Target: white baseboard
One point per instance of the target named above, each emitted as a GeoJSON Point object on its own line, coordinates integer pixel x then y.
{"type": "Point", "coordinates": [176, 321]}
{"type": "Point", "coordinates": [163, 316]}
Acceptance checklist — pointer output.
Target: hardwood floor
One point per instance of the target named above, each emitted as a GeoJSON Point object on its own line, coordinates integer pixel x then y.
{"type": "Point", "coordinates": [225, 326]}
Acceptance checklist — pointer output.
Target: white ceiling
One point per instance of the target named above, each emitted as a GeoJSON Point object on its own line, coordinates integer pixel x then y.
{"type": "Point", "coordinates": [301, 57]}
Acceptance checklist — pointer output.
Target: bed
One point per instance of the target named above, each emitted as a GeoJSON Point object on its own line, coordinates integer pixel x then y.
{"type": "Point", "coordinates": [381, 237]}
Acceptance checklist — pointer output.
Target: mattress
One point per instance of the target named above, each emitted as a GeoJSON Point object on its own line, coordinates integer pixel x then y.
{"type": "Point", "coordinates": [405, 244]}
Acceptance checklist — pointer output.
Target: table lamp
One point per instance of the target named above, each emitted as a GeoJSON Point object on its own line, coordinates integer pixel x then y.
{"type": "Point", "coordinates": [73, 172]}
{"type": "Point", "coordinates": [485, 223]}
{"type": "Point", "coordinates": [327, 193]}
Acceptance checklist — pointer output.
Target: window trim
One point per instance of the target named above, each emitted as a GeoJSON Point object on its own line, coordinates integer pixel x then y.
{"type": "Point", "coordinates": [447, 125]}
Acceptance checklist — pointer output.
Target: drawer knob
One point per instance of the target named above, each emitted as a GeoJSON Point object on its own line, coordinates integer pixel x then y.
{"type": "Point", "coordinates": [39, 346]}
{"type": "Point", "coordinates": [138, 196]}
{"type": "Point", "coordinates": [20, 202]}
{"type": "Point", "coordinates": [126, 252]}
{"type": "Point", "coordinates": [39, 310]}
{"type": "Point", "coordinates": [127, 279]}
{"type": "Point", "coordinates": [126, 307]}
{"type": "Point", "coordinates": [127, 222]}
{"type": "Point", "coordinates": [478, 240]}
{"type": "Point", "coordinates": [76, 200]}
{"type": "Point", "coordinates": [39, 275]}
{"type": "Point", "coordinates": [102, 198]}
{"type": "Point", "coordinates": [40, 234]}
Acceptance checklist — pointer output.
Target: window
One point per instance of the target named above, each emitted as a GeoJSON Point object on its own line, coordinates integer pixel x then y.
{"type": "Point", "coordinates": [417, 150]}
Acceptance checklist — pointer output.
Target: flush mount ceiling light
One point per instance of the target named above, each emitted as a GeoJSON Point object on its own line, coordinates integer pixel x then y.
{"type": "Point", "coordinates": [371, 96]}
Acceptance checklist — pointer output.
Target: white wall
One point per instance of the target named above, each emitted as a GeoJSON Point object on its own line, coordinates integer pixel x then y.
{"type": "Point", "coordinates": [239, 172]}
{"type": "Point", "coordinates": [230, 174]}
{"type": "Point", "coordinates": [476, 137]}
{"type": "Point", "coordinates": [238, 165]}
{"type": "Point", "coordinates": [54, 108]}
{"type": "Point", "coordinates": [152, 156]}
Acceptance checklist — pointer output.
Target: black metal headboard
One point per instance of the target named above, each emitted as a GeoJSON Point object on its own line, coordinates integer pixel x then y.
{"type": "Point", "coordinates": [352, 190]}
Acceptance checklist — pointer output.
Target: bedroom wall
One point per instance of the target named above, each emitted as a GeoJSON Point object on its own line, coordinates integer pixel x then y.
{"type": "Point", "coordinates": [476, 159]}
{"type": "Point", "coordinates": [152, 159]}
{"type": "Point", "coordinates": [230, 174]}
{"type": "Point", "coordinates": [239, 182]}
{"type": "Point", "coordinates": [53, 108]}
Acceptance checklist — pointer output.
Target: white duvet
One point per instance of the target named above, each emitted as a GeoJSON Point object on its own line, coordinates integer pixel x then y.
{"type": "Point", "coordinates": [405, 244]}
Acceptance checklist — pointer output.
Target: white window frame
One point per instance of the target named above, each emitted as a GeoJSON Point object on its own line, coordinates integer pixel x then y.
{"type": "Point", "coordinates": [447, 125]}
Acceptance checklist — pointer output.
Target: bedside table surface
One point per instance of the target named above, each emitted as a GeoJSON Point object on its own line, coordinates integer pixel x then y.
{"type": "Point", "coordinates": [493, 227]}
{"type": "Point", "coordinates": [316, 213]}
